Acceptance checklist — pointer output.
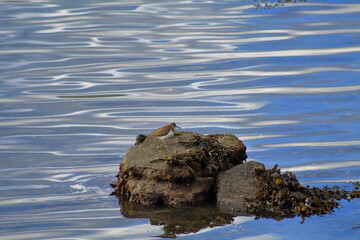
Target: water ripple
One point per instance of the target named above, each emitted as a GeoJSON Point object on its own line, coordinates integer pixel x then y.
{"type": "Point", "coordinates": [80, 79]}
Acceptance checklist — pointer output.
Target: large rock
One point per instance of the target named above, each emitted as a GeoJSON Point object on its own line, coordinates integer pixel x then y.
{"type": "Point", "coordinates": [238, 185]}
{"type": "Point", "coordinates": [180, 170]}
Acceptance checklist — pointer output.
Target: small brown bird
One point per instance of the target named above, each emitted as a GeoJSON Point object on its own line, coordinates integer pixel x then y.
{"type": "Point", "coordinates": [165, 132]}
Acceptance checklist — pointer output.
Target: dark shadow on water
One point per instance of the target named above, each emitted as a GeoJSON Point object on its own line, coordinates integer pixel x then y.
{"type": "Point", "coordinates": [182, 220]}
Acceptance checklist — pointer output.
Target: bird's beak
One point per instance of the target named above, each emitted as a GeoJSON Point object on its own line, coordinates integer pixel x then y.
{"type": "Point", "coordinates": [178, 127]}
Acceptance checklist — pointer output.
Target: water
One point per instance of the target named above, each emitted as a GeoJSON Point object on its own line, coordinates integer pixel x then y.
{"type": "Point", "coordinates": [80, 79]}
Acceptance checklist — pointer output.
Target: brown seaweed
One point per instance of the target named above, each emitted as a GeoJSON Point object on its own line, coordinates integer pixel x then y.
{"type": "Point", "coordinates": [282, 196]}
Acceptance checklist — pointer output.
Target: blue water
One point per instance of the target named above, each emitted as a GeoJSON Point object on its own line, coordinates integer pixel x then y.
{"type": "Point", "coordinates": [80, 79]}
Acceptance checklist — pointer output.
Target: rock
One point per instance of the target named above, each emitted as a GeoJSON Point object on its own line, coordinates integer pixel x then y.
{"type": "Point", "coordinates": [191, 168]}
{"type": "Point", "coordinates": [179, 170]}
{"type": "Point", "coordinates": [279, 196]}
{"type": "Point", "coordinates": [238, 185]}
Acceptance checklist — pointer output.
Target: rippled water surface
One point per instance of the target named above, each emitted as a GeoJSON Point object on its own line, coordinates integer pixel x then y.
{"type": "Point", "coordinates": [80, 79]}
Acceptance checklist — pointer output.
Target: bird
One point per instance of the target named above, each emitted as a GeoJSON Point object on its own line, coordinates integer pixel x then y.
{"type": "Point", "coordinates": [165, 132]}
{"type": "Point", "coordinates": [140, 138]}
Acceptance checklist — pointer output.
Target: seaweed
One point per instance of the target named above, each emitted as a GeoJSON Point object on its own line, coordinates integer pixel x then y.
{"type": "Point", "coordinates": [282, 196]}
{"type": "Point", "coordinates": [208, 157]}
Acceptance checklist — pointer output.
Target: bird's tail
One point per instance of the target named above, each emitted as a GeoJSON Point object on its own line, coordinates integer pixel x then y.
{"type": "Point", "coordinates": [140, 138]}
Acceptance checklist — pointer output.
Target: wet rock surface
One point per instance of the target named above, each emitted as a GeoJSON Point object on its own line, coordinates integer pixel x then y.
{"type": "Point", "coordinates": [180, 170]}
{"type": "Point", "coordinates": [237, 185]}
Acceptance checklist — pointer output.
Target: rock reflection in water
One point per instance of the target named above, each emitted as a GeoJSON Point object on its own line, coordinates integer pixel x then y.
{"type": "Point", "coordinates": [281, 196]}
{"type": "Point", "coordinates": [179, 220]}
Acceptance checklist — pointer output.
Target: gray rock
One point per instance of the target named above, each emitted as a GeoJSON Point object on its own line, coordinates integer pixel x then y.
{"type": "Point", "coordinates": [237, 184]}
{"type": "Point", "coordinates": [179, 170]}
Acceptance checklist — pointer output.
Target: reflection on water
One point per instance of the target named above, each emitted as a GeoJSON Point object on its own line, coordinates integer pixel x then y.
{"type": "Point", "coordinates": [177, 220]}
{"type": "Point", "coordinates": [80, 79]}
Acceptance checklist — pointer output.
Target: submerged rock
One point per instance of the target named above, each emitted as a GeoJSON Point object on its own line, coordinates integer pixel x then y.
{"type": "Point", "coordinates": [180, 170]}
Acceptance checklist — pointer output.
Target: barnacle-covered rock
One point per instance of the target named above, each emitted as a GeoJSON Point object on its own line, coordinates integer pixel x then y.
{"type": "Point", "coordinates": [179, 170]}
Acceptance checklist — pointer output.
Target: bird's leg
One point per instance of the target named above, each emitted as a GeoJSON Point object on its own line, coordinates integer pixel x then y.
{"type": "Point", "coordinates": [165, 144]}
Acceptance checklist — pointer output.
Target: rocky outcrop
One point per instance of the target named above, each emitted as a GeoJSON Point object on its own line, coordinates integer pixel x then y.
{"type": "Point", "coordinates": [191, 168]}
{"type": "Point", "coordinates": [180, 170]}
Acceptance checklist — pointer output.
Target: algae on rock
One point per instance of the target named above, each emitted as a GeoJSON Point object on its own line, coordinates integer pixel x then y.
{"type": "Point", "coordinates": [181, 170]}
